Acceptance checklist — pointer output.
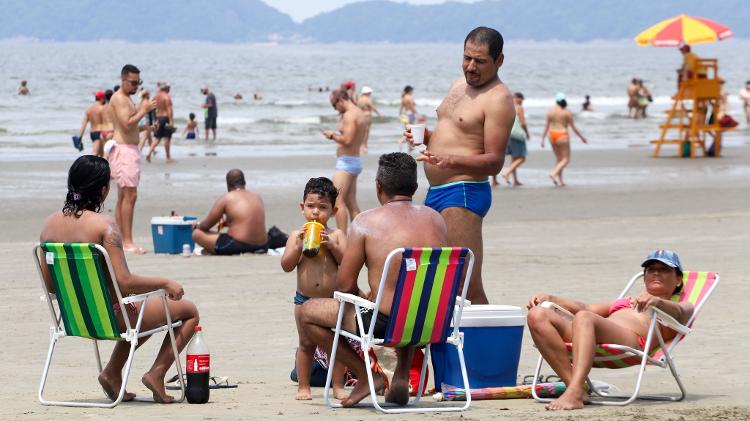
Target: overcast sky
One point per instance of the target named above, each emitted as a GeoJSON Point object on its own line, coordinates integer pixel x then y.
{"type": "Point", "coordinates": [300, 10]}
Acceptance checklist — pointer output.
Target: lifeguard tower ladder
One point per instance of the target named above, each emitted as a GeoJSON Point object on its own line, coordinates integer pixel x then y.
{"type": "Point", "coordinates": [688, 118]}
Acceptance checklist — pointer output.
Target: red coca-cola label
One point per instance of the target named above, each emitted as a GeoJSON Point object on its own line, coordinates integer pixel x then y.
{"type": "Point", "coordinates": [198, 363]}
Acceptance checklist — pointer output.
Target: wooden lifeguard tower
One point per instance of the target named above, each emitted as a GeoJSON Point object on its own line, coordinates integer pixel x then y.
{"type": "Point", "coordinates": [689, 121]}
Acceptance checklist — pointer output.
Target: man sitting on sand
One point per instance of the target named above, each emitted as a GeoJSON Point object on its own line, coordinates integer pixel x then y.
{"type": "Point", "coordinates": [620, 321]}
{"type": "Point", "coordinates": [243, 213]}
{"type": "Point", "coordinates": [398, 222]}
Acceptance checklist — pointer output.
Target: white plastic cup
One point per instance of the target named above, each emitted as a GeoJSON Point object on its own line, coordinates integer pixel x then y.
{"type": "Point", "coordinates": [186, 252]}
{"type": "Point", "coordinates": [417, 133]}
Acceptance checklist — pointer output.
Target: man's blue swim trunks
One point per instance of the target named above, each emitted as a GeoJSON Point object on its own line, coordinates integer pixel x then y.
{"type": "Point", "coordinates": [475, 196]}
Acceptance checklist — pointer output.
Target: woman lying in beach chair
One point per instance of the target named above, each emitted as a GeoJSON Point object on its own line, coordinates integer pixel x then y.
{"type": "Point", "coordinates": [625, 332]}
{"type": "Point", "coordinates": [74, 263]}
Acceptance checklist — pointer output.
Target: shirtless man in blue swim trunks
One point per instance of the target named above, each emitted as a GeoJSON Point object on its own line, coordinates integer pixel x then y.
{"type": "Point", "coordinates": [348, 163]}
{"type": "Point", "coordinates": [468, 145]}
{"type": "Point", "coordinates": [95, 116]}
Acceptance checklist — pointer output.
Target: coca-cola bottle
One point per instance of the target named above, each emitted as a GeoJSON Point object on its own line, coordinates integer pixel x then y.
{"type": "Point", "coordinates": [197, 369]}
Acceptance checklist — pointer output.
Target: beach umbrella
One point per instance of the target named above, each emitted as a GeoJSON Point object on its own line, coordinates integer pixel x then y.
{"type": "Point", "coordinates": [683, 29]}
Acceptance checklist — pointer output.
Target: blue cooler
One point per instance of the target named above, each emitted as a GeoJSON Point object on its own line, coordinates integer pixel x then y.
{"type": "Point", "coordinates": [492, 348]}
{"type": "Point", "coordinates": [171, 232]}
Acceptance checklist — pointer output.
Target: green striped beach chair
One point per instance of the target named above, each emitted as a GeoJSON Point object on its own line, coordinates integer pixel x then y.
{"type": "Point", "coordinates": [425, 311]}
{"type": "Point", "coordinates": [82, 279]}
{"type": "Point", "coordinates": [696, 288]}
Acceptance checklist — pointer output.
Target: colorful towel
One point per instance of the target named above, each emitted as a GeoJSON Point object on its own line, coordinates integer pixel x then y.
{"type": "Point", "coordinates": [543, 390]}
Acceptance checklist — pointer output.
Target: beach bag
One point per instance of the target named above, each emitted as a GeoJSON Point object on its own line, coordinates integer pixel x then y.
{"type": "Point", "coordinates": [276, 238]}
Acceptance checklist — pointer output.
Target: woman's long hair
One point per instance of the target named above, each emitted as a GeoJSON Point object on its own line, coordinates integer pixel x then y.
{"type": "Point", "coordinates": [86, 179]}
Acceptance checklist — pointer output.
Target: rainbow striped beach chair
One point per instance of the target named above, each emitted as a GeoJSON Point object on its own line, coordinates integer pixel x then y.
{"type": "Point", "coordinates": [424, 306]}
{"type": "Point", "coordinates": [697, 287]}
{"type": "Point", "coordinates": [82, 278]}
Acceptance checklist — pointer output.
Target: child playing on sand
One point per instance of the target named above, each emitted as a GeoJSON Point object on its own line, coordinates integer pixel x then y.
{"type": "Point", "coordinates": [316, 276]}
{"type": "Point", "coordinates": [191, 132]}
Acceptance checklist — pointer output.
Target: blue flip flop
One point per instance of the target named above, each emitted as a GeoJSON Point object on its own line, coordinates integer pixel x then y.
{"type": "Point", "coordinates": [77, 143]}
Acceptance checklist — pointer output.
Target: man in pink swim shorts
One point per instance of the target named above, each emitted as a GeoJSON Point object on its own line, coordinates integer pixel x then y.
{"type": "Point", "coordinates": [125, 160]}
{"type": "Point", "coordinates": [125, 156]}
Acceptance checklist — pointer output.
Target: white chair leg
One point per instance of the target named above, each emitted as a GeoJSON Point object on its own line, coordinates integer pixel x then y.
{"type": "Point", "coordinates": [673, 370]}
{"type": "Point", "coordinates": [98, 356]}
{"type": "Point", "coordinates": [422, 375]}
{"type": "Point", "coordinates": [370, 381]}
{"type": "Point", "coordinates": [332, 358]}
{"type": "Point", "coordinates": [467, 386]}
{"type": "Point", "coordinates": [45, 372]}
{"type": "Point", "coordinates": [170, 332]}
{"type": "Point", "coordinates": [535, 380]}
{"type": "Point", "coordinates": [125, 375]}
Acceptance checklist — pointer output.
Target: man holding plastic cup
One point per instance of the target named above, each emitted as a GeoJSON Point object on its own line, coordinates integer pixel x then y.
{"type": "Point", "coordinates": [468, 145]}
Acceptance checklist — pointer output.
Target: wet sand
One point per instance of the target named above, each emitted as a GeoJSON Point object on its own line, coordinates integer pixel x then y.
{"type": "Point", "coordinates": [584, 241]}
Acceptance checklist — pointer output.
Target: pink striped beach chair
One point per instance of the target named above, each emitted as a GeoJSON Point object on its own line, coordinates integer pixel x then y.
{"type": "Point", "coordinates": [424, 307]}
{"type": "Point", "coordinates": [697, 287]}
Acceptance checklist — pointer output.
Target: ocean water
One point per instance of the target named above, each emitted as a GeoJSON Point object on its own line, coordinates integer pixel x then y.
{"type": "Point", "coordinates": [64, 76]}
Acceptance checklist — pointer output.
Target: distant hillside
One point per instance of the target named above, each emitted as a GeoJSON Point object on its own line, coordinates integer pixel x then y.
{"type": "Point", "coordinates": [571, 20]}
{"type": "Point", "coordinates": [142, 20]}
{"type": "Point", "coordinates": [370, 21]}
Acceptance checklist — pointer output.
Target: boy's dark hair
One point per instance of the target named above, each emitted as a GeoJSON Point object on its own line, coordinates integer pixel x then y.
{"type": "Point", "coordinates": [483, 35]}
{"type": "Point", "coordinates": [86, 178]}
{"type": "Point", "coordinates": [397, 174]}
{"type": "Point", "coordinates": [192, 116]}
{"type": "Point", "coordinates": [323, 187]}
{"type": "Point", "coordinates": [128, 69]}
{"type": "Point", "coordinates": [235, 178]}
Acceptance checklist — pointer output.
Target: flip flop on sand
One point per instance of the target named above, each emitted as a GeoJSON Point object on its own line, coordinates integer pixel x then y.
{"type": "Point", "coordinates": [215, 382]}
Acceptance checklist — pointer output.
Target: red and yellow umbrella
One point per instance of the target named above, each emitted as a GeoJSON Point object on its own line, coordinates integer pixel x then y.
{"type": "Point", "coordinates": [683, 29]}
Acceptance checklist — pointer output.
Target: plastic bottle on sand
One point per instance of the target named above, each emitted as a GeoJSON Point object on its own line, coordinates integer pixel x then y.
{"type": "Point", "coordinates": [197, 368]}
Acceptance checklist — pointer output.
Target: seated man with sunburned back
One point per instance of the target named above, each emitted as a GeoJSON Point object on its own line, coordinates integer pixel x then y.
{"type": "Point", "coordinates": [398, 222]}
{"type": "Point", "coordinates": [243, 213]}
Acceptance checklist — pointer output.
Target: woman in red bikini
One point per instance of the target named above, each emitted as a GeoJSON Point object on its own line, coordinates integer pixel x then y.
{"type": "Point", "coordinates": [558, 120]}
{"type": "Point", "coordinates": [621, 321]}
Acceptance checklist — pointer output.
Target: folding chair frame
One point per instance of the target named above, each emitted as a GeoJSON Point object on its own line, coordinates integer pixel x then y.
{"type": "Point", "coordinates": [665, 361]}
{"type": "Point", "coordinates": [367, 340]}
{"type": "Point", "coordinates": [131, 335]}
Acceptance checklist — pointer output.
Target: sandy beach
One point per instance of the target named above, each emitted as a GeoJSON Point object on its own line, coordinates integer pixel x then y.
{"type": "Point", "coordinates": [583, 241]}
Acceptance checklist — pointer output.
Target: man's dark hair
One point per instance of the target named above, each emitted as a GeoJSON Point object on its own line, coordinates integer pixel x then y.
{"type": "Point", "coordinates": [128, 69]}
{"type": "Point", "coordinates": [86, 178]}
{"type": "Point", "coordinates": [486, 36]}
{"type": "Point", "coordinates": [397, 174]}
{"type": "Point", "coordinates": [108, 94]}
{"type": "Point", "coordinates": [235, 178]}
{"type": "Point", "coordinates": [408, 89]}
{"type": "Point", "coordinates": [338, 94]}
{"type": "Point", "coordinates": [562, 103]}
{"type": "Point", "coordinates": [518, 95]}
{"type": "Point", "coordinates": [323, 187]}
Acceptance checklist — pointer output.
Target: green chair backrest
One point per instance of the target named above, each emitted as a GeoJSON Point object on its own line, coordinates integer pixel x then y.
{"type": "Point", "coordinates": [78, 276]}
